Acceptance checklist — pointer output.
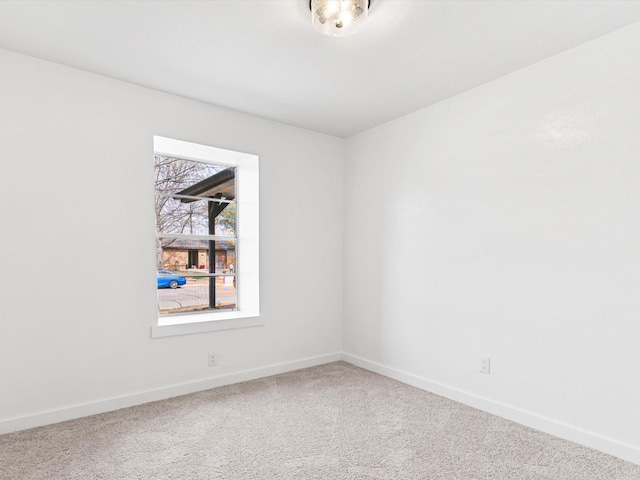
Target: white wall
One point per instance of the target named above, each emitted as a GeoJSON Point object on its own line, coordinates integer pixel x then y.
{"type": "Point", "coordinates": [505, 222]}
{"type": "Point", "coordinates": [77, 264]}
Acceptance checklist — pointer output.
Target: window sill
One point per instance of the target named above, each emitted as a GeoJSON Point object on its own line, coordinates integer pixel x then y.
{"type": "Point", "coordinates": [170, 326]}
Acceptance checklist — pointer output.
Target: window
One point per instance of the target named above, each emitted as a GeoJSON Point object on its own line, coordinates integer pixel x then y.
{"type": "Point", "coordinates": [206, 212]}
{"type": "Point", "coordinates": [195, 235]}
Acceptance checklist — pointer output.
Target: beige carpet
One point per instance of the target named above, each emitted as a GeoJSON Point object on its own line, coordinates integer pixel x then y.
{"type": "Point", "coordinates": [330, 422]}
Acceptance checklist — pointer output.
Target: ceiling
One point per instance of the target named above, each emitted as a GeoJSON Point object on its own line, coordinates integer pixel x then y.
{"type": "Point", "coordinates": [263, 57]}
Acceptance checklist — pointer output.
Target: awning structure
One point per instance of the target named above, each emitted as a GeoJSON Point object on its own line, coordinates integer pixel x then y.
{"type": "Point", "coordinates": [220, 185]}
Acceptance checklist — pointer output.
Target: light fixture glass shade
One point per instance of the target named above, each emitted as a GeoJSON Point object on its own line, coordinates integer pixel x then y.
{"type": "Point", "coordinates": [338, 17]}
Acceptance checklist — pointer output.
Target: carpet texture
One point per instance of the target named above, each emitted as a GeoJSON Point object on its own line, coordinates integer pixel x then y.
{"type": "Point", "coordinates": [335, 421]}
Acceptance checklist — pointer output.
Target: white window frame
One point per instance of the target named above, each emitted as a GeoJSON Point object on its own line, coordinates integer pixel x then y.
{"type": "Point", "coordinates": [247, 312]}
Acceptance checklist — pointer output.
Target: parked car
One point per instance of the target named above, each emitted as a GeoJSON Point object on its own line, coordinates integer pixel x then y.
{"type": "Point", "coordinates": [169, 279]}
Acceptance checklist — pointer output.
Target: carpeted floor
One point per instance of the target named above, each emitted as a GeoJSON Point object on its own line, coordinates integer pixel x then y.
{"type": "Point", "coordinates": [335, 421]}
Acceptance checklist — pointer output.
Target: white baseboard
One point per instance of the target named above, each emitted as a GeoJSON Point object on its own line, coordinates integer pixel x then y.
{"type": "Point", "coordinates": [116, 403]}
{"type": "Point", "coordinates": [547, 425]}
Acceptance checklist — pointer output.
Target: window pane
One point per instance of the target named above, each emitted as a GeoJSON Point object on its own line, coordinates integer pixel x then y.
{"type": "Point", "coordinates": [195, 293]}
{"type": "Point", "coordinates": [191, 257]}
{"type": "Point", "coordinates": [199, 217]}
{"type": "Point", "coordinates": [190, 201]}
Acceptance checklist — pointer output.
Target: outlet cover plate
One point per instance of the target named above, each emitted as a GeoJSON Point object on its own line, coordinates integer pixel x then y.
{"type": "Point", "coordinates": [485, 365]}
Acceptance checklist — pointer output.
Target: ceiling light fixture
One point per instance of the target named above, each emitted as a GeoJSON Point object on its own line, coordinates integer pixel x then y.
{"type": "Point", "coordinates": [338, 17]}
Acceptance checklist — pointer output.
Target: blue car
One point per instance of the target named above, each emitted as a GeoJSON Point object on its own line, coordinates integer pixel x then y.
{"type": "Point", "coordinates": [169, 279]}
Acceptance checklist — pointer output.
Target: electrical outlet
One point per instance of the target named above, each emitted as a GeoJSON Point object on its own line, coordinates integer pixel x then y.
{"type": "Point", "coordinates": [213, 359]}
{"type": "Point", "coordinates": [485, 364]}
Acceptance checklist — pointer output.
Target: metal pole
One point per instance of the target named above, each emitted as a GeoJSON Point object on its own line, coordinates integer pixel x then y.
{"type": "Point", "coordinates": [213, 213]}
